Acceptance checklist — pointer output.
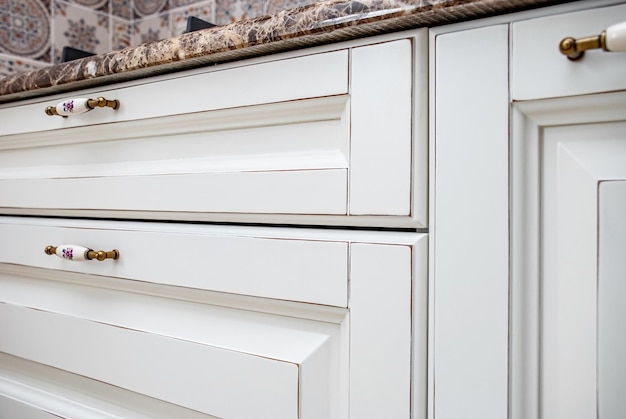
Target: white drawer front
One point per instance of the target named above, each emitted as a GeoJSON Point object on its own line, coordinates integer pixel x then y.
{"type": "Point", "coordinates": [220, 361]}
{"type": "Point", "coordinates": [539, 70]}
{"type": "Point", "coordinates": [196, 257]}
{"type": "Point", "coordinates": [107, 344]}
{"type": "Point", "coordinates": [10, 408]}
{"type": "Point", "coordinates": [200, 377]}
{"type": "Point", "coordinates": [326, 74]}
{"type": "Point", "coordinates": [321, 138]}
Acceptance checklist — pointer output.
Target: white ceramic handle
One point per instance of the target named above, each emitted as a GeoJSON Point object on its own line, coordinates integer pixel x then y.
{"type": "Point", "coordinates": [81, 105]}
{"type": "Point", "coordinates": [73, 107]}
{"type": "Point", "coordinates": [77, 253]}
{"type": "Point", "coordinates": [616, 37]}
{"type": "Point", "coordinates": [71, 252]}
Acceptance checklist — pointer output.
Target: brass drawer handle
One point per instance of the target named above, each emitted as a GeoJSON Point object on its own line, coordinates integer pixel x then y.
{"type": "Point", "coordinates": [78, 253]}
{"type": "Point", "coordinates": [81, 105]}
{"type": "Point", "coordinates": [612, 39]}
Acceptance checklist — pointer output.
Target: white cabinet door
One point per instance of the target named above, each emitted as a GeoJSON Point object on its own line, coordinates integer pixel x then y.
{"type": "Point", "coordinates": [566, 238]}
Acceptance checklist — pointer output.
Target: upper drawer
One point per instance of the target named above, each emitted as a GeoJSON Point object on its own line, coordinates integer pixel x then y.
{"type": "Point", "coordinates": [539, 70]}
{"type": "Point", "coordinates": [315, 135]}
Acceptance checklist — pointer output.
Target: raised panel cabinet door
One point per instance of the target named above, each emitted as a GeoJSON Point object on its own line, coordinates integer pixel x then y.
{"type": "Point", "coordinates": [569, 162]}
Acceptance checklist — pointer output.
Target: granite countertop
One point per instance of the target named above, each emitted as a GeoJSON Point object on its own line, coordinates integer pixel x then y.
{"type": "Point", "coordinates": [317, 24]}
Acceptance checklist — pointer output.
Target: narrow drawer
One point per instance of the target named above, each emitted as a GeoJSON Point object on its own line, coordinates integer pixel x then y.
{"type": "Point", "coordinates": [239, 262]}
{"type": "Point", "coordinates": [298, 141]}
{"type": "Point", "coordinates": [539, 70]}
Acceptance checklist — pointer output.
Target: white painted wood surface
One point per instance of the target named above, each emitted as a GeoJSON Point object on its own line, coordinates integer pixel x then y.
{"type": "Point", "coordinates": [563, 150]}
{"type": "Point", "coordinates": [576, 159]}
{"type": "Point", "coordinates": [539, 70]}
{"type": "Point", "coordinates": [381, 98]}
{"type": "Point", "coordinates": [284, 158]}
{"type": "Point", "coordinates": [611, 296]}
{"type": "Point", "coordinates": [196, 355]}
{"type": "Point", "coordinates": [311, 361]}
{"type": "Point", "coordinates": [199, 377]}
{"type": "Point", "coordinates": [471, 224]}
{"type": "Point", "coordinates": [33, 389]}
{"type": "Point", "coordinates": [10, 408]}
{"type": "Point", "coordinates": [340, 144]}
{"type": "Point", "coordinates": [326, 74]}
{"type": "Point", "coordinates": [380, 351]}
{"type": "Point", "coordinates": [300, 270]}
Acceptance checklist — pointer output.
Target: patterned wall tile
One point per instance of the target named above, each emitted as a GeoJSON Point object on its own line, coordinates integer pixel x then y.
{"type": "Point", "coordinates": [122, 8]}
{"type": "Point", "coordinates": [145, 8]}
{"type": "Point", "coordinates": [204, 11]}
{"type": "Point", "coordinates": [24, 28]}
{"type": "Point", "coordinates": [121, 33]}
{"type": "Point", "coordinates": [228, 11]}
{"type": "Point", "coordinates": [10, 64]}
{"type": "Point", "coordinates": [100, 5]}
{"type": "Point", "coordinates": [80, 28]}
{"type": "Point", "coordinates": [151, 29]}
{"type": "Point", "coordinates": [28, 30]}
{"type": "Point", "coordinates": [275, 6]}
{"type": "Point", "coordinates": [180, 3]}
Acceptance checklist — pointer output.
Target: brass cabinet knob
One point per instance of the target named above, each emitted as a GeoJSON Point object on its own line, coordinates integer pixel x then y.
{"type": "Point", "coordinates": [612, 39]}
{"type": "Point", "coordinates": [77, 253]}
{"type": "Point", "coordinates": [81, 105]}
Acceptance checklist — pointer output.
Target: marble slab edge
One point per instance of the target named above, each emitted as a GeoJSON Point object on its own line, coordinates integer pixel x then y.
{"type": "Point", "coordinates": [303, 27]}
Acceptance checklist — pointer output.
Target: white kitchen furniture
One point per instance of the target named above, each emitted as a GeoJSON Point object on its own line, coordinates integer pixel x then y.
{"type": "Point", "coordinates": [197, 319]}
{"type": "Point", "coordinates": [424, 224]}
{"type": "Point", "coordinates": [312, 144]}
{"type": "Point", "coordinates": [521, 319]}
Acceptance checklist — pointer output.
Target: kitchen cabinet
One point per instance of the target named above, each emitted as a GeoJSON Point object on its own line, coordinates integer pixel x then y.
{"type": "Point", "coordinates": [421, 224]}
{"type": "Point", "coordinates": [223, 302]}
{"type": "Point", "coordinates": [201, 349]}
{"type": "Point", "coordinates": [304, 147]}
{"type": "Point", "coordinates": [519, 271]}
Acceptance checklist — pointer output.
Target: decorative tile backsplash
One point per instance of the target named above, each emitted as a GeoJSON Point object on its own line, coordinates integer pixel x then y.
{"type": "Point", "coordinates": [34, 32]}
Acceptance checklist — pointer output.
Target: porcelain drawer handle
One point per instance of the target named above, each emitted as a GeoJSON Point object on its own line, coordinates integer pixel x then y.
{"type": "Point", "coordinates": [78, 253]}
{"type": "Point", "coordinates": [81, 105]}
{"type": "Point", "coordinates": [612, 39]}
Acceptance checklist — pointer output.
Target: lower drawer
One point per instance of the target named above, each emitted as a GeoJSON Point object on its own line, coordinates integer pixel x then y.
{"type": "Point", "coordinates": [236, 261]}
{"type": "Point", "coordinates": [227, 322]}
{"type": "Point", "coordinates": [194, 374]}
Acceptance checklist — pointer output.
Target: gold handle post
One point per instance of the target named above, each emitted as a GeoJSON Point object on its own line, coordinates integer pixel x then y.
{"type": "Point", "coordinates": [103, 103]}
{"type": "Point", "coordinates": [102, 255]}
{"type": "Point", "coordinates": [575, 49]}
{"type": "Point", "coordinates": [613, 39]}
